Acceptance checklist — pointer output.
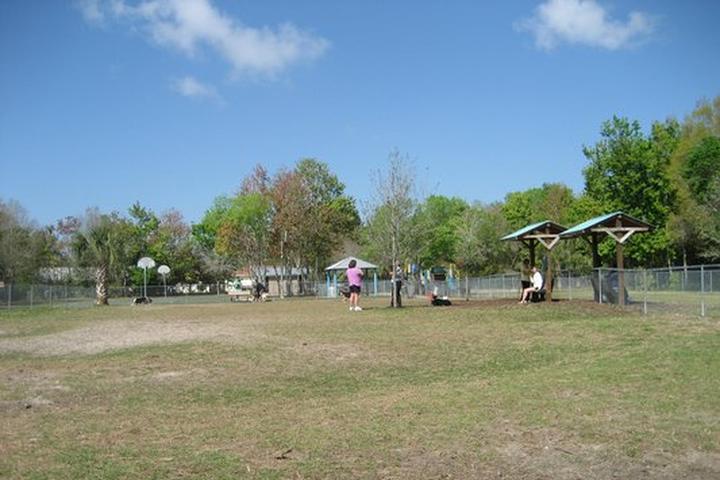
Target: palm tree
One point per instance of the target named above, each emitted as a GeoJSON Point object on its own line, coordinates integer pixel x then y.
{"type": "Point", "coordinates": [101, 244]}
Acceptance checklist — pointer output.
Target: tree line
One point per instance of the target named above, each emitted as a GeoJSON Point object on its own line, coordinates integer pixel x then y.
{"type": "Point", "coordinates": [302, 217]}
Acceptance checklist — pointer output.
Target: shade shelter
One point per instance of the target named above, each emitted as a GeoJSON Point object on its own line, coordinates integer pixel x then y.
{"type": "Point", "coordinates": [341, 266]}
{"type": "Point", "coordinates": [545, 233]}
{"type": "Point", "coordinates": [617, 225]}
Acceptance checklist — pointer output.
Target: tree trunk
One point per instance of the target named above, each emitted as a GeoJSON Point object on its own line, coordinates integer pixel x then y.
{"type": "Point", "coordinates": [393, 295]}
{"type": "Point", "coordinates": [101, 285]}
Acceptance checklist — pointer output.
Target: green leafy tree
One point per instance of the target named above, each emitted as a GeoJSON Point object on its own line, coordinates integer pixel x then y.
{"type": "Point", "coordinates": [205, 232]}
{"type": "Point", "coordinates": [691, 225]}
{"type": "Point", "coordinates": [704, 120]}
{"type": "Point", "coordinates": [711, 233]}
{"type": "Point", "coordinates": [212, 266]}
{"type": "Point", "coordinates": [437, 219]}
{"type": "Point", "coordinates": [556, 203]}
{"type": "Point", "coordinates": [552, 201]}
{"type": "Point", "coordinates": [520, 208]}
{"type": "Point", "coordinates": [479, 250]}
{"type": "Point", "coordinates": [144, 225]}
{"type": "Point", "coordinates": [293, 222]}
{"type": "Point", "coordinates": [702, 168]}
{"type": "Point", "coordinates": [171, 244]}
{"type": "Point", "coordinates": [244, 233]}
{"type": "Point", "coordinates": [24, 248]}
{"type": "Point", "coordinates": [628, 171]}
{"type": "Point", "coordinates": [696, 225]}
{"type": "Point", "coordinates": [331, 216]}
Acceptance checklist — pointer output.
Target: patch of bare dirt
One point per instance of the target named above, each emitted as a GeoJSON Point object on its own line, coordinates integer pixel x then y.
{"type": "Point", "coordinates": [39, 389]}
{"type": "Point", "coordinates": [107, 336]}
{"type": "Point", "coordinates": [551, 454]}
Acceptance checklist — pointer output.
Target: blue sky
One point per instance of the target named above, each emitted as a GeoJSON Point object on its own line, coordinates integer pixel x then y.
{"type": "Point", "coordinates": [172, 102]}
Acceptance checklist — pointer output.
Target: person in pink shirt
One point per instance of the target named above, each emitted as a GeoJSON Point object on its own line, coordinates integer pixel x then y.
{"type": "Point", "coordinates": [354, 276]}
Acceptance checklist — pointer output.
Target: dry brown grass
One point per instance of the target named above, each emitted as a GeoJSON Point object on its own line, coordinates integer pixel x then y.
{"type": "Point", "coordinates": [306, 389]}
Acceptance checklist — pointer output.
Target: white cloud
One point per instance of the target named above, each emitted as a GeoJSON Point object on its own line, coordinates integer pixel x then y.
{"type": "Point", "coordinates": [584, 22]}
{"type": "Point", "coordinates": [190, 87]}
{"type": "Point", "coordinates": [193, 25]}
{"type": "Point", "coordinates": [90, 10]}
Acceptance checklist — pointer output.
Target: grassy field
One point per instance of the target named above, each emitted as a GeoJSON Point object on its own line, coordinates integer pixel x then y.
{"type": "Point", "coordinates": [306, 389]}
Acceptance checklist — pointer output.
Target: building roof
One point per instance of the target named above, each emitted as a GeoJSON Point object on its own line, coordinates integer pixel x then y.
{"type": "Point", "coordinates": [343, 264]}
{"type": "Point", "coordinates": [274, 271]}
{"type": "Point", "coordinates": [271, 271]}
{"type": "Point", "coordinates": [544, 227]}
{"type": "Point", "coordinates": [606, 221]}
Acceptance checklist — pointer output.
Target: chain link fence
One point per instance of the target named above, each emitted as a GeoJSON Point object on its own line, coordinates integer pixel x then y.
{"type": "Point", "coordinates": [691, 290]}
{"type": "Point", "coordinates": [36, 295]}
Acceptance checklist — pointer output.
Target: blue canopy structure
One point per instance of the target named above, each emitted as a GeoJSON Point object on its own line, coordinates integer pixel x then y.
{"type": "Point", "coordinates": [617, 225]}
{"type": "Point", "coordinates": [546, 233]}
{"type": "Point", "coordinates": [341, 266]}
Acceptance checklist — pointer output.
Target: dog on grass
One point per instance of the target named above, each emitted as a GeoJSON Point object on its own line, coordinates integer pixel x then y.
{"type": "Point", "coordinates": [141, 301]}
{"type": "Point", "coordinates": [345, 293]}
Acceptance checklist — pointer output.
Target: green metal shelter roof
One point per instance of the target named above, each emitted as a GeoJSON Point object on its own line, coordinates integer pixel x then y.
{"type": "Point", "coordinates": [541, 227]}
{"type": "Point", "coordinates": [608, 220]}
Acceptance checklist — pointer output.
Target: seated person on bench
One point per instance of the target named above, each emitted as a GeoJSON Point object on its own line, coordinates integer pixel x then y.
{"type": "Point", "coordinates": [537, 284]}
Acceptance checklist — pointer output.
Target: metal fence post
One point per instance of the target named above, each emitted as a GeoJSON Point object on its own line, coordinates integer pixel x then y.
{"type": "Point", "coordinates": [600, 286]}
{"type": "Point", "coordinates": [702, 290]}
{"type": "Point", "coordinates": [569, 286]}
{"type": "Point", "coordinates": [683, 278]}
{"type": "Point", "coordinates": [645, 291]}
{"type": "Point", "coordinates": [9, 295]}
{"type": "Point", "coordinates": [31, 296]}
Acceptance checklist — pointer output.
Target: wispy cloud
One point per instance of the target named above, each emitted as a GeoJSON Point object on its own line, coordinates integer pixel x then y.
{"type": "Point", "coordinates": [584, 22]}
{"type": "Point", "coordinates": [91, 11]}
{"type": "Point", "coordinates": [191, 87]}
{"type": "Point", "coordinates": [190, 26]}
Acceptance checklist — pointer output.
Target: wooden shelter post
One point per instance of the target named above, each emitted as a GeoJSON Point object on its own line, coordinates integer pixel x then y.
{"type": "Point", "coordinates": [549, 276]}
{"type": "Point", "coordinates": [621, 266]}
{"type": "Point", "coordinates": [594, 243]}
{"type": "Point", "coordinates": [595, 247]}
{"type": "Point", "coordinates": [620, 272]}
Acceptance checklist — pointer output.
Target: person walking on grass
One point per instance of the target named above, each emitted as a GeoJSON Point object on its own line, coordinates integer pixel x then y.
{"type": "Point", "coordinates": [537, 284]}
{"type": "Point", "coordinates": [354, 276]}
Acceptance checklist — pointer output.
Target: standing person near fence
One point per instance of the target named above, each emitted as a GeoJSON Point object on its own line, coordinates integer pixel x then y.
{"type": "Point", "coordinates": [354, 277]}
{"type": "Point", "coordinates": [395, 298]}
{"type": "Point", "coordinates": [525, 273]}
